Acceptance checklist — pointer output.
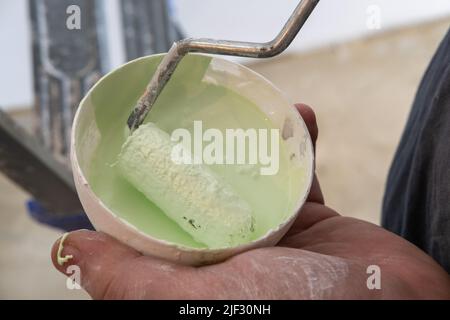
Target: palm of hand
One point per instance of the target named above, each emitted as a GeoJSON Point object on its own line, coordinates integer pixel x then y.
{"type": "Point", "coordinates": [324, 255]}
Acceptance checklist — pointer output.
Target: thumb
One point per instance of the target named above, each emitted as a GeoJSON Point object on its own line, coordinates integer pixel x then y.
{"type": "Point", "coordinates": [112, 270]}
{"type": "Point", "coordinates": [309, 117]}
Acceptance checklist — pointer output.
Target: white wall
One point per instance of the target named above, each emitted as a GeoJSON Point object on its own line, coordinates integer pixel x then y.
{"type": "Point", "coordinates": [15, 55]}
{"type": "Point", "coordinates": [333, 21]}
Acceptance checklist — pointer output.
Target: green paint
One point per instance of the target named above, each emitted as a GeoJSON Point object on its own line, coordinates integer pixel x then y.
{"type": "Point", "coordinates": [184, 99]}
{"type": "Point", "coordinates": [59, 258]}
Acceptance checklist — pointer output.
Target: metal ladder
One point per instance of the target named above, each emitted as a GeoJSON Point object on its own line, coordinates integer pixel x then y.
{"type": "Point", "coordinates": [66, 64]}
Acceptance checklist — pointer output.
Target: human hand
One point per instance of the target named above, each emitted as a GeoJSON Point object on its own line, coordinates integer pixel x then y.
{"type": "Point", "coordinates": [324, 255]}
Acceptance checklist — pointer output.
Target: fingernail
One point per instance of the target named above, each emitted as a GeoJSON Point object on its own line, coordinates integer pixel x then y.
{"type": "Point", "coordinates": [69, 252]}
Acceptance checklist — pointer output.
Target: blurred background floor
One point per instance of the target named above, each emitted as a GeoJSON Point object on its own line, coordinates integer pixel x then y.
{"type": "Point", "coordinates": [25, 266]}
{"type": "Point", "coordinates": [361, 92]}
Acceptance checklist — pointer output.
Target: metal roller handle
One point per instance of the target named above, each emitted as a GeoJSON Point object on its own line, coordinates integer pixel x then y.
{"type": "Point", "coordinates": [223, 47]}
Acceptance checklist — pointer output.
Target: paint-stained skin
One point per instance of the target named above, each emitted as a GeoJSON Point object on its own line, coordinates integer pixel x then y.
{"type": "Point", "coordinates": [112, 270]}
